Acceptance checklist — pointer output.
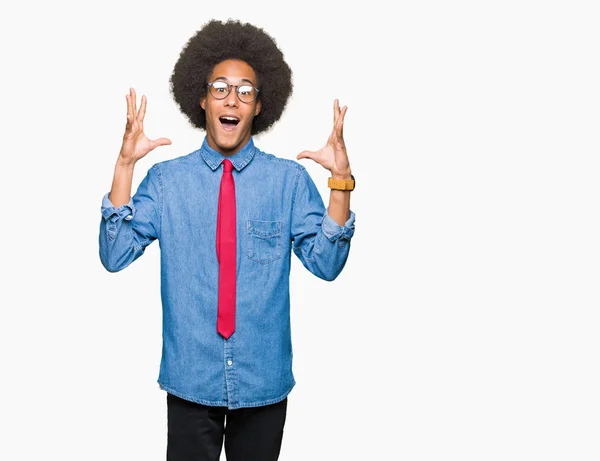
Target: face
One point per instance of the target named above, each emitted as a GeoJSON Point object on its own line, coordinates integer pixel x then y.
{"type": "Point", "coordinates": [229, 120]}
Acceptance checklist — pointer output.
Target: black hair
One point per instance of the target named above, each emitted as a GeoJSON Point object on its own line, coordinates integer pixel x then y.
{"type": "Point", "coordinates": [217, 41]}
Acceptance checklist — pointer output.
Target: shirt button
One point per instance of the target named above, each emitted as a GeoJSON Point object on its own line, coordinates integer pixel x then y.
{"type": "Point", "coordinates": [229, 362]}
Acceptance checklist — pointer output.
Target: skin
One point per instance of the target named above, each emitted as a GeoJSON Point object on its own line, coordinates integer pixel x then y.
{"type": "Point", "coordinates": [332, 156]}
{"type": "Point", "coordinates": [135, 146]}
{"type": "Point", "coordinates": [228, 142]}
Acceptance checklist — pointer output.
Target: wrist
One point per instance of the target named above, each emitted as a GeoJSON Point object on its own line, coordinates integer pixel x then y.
{"type": "Point", "coordinates": [125, 164]}
{"type": "Point", "coordinates": [346, 175]}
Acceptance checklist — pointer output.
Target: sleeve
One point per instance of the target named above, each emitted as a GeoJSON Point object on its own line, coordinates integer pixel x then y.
{"type": "Point", "coordinates": [125, 232]}
{"type": "Point", "coordinates": [319, 242]}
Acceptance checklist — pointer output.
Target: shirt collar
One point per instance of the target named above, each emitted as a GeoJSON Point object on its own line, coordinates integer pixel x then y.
{"type": "Point", "coordinates": [239, 160]}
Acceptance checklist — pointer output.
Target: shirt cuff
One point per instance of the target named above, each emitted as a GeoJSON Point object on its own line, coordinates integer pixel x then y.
{"type": "Point", "coordinates": [110, 213]}
{"type": "Point", "coordinates": [333, 231]}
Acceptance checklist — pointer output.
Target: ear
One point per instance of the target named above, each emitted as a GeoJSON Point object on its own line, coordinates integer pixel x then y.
{"type": "Point", "coordinates": [203, 102]}
{"type": "Point", "coordinates": [257, 108]}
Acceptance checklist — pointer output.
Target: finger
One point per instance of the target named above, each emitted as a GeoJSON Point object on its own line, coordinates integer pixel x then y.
{"type": "Point", "coordinates": [133, 101]}
{"type": "Point", "coordinates": [340, 122]}
{"type": "Point", "coordinates": [129, 109]}
{"type": "Point", "coordinates": [127, 113]}
{"type": "Point", "coordinates": [160, 142]}
{"type": "Point", "coordinates": [142, 113]}
{"type": "Point", "coordinates": [336, 110]}
{"type": "Point", "coordinates": [306, 154]}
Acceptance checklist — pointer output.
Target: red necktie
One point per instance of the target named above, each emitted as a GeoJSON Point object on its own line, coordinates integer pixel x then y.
{"type": "Point", "coordinates": [226, 252]}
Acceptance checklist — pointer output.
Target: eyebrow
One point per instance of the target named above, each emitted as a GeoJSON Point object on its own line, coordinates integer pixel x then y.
{"type": "Point", "coordinates": [243, 80]}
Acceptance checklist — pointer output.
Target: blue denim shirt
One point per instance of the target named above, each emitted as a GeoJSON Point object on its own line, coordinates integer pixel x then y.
{"type": "Point", "coordinates": [279, 210]}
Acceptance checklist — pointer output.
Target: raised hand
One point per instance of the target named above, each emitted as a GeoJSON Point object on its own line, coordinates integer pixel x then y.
{"type": "Point", "coordinates": [135, 142]}
{"type": "Point", "coordinates": [333, 155]}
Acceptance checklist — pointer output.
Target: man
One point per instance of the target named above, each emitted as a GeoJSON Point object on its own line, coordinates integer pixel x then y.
{"type": "Point", "coordinates": [227, 217]}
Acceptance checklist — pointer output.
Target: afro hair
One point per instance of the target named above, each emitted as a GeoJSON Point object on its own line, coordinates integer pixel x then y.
{"type": "Point", "coordinates": [217, 41]}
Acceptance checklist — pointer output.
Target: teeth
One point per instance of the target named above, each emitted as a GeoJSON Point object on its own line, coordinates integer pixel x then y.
{"type": "Point", "coordinates": [230, 118]}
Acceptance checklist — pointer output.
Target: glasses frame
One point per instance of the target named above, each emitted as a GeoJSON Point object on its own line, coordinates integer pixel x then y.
{"type": "Point", "coordinates": [237, 90]}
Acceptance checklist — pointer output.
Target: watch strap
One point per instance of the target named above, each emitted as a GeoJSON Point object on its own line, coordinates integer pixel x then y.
{"type": "Point", "coordinates": [341, 184]}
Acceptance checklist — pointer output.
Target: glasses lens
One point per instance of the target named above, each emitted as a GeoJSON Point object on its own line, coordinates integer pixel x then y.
{"type": "Point", "coordinates": [219, 90]}
{"type": "Point", "coordinates": [247, 93]}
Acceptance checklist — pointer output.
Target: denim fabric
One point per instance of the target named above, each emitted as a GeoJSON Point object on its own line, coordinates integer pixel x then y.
{"type": "Point", "coordinates": [279, 210]}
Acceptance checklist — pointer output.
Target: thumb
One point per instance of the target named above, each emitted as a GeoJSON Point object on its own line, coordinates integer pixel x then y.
{"type": "Point", "coordinates": [160, 142]}
{"type": "Point", "coordinates": [306, 154]}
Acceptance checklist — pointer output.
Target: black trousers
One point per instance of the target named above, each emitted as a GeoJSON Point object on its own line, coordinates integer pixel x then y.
{"type": "Point", "coordinates": [196, 432]}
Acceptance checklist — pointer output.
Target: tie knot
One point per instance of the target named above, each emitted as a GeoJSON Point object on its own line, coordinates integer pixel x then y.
{"type": "Point", "coordinates": [227, 166]}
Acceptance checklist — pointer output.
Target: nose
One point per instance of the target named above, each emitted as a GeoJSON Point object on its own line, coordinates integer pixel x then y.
{"type": "Point", "coordinates": [231, 99]}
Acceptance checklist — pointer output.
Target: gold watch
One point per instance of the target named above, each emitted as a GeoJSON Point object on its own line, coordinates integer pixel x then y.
{"type": "Point", "coordinates": [341, 184]}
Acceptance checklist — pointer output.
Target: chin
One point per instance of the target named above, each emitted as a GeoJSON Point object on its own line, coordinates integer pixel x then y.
{"type": "Point", "coordinates": [227, 145]}
{"type": "Point", "coordinates": [231, 140]}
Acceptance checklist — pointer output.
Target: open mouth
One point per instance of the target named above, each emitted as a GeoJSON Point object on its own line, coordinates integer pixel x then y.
{"type": "Point", "coordinates": [229, 122]}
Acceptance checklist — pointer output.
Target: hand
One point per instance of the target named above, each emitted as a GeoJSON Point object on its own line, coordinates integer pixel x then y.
{"type": "Point", "coordinates": [333, 155]}
{"type": "Point", "coordinates": [135, 143]}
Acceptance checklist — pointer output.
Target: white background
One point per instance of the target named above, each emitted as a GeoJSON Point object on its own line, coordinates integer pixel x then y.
{"type": "Point", "coordinates": [465, 324]}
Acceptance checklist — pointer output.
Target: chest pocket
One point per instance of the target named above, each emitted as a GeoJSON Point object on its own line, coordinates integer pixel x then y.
{"type": "Point", "coordinates": [264, 241]}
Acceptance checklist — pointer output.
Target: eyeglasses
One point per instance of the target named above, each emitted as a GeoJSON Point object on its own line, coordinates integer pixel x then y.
{"type": "Point", "coordinates": [245, 93]}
